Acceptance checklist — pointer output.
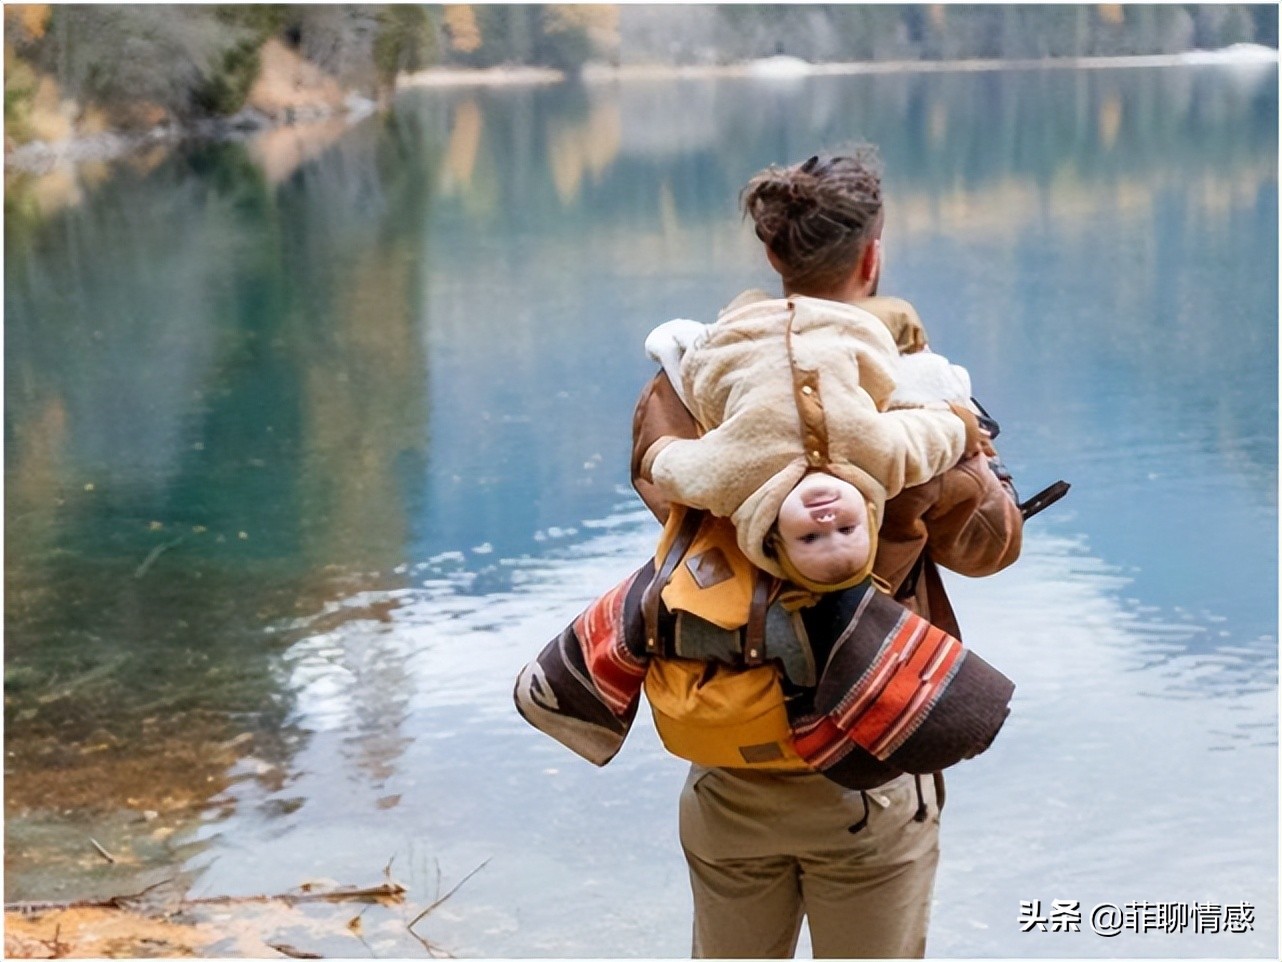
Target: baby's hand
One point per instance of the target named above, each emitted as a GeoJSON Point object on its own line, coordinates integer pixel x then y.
{"type": "Point", "coordinates": [670, 340]}
{"type": "Point", "coordinates": [978, 441]}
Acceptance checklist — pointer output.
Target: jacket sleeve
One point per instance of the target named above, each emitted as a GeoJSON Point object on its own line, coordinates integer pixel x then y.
{"type": "Point", "coordinates": [719, 471]}
{"type": "Point", "coordinates": [967, 517]}
{"type": "Point", "coordinates": [659, 413]}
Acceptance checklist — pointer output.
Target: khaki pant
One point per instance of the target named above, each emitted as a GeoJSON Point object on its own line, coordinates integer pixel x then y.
{"type": "Point", "coordinates": [765, 849]}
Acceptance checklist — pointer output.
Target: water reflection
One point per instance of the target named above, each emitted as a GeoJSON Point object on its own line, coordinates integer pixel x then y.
{"type": "Point", "coordinates": [290, 501]}
{"type": "Point", "coordinates": [191, 446]}
{"type": "Point", "coordinates": [1113, 711]}
{"type": "Point", "coordinates": [280, 151]}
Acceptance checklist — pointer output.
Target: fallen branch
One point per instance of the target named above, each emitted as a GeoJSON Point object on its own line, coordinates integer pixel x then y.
{"type": "Point", "coordinates": [40, 908]}
{"type": "Point", "coordinates": [112, 902]}
{"type": "Point", "coordinates": [388, 890]}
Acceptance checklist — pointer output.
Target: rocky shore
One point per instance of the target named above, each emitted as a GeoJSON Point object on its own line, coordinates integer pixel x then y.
{"type": "Point", "coordinates": [289, 91]}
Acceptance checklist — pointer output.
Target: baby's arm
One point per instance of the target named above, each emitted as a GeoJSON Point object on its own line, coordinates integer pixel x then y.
{"type": "Point", "coordinates": [905, 446]}
{"type": "Point", "coordinates": [707, 472]}
{"type": "Point", "coordinates": [717, 471]}
{"type": "Point", "coordinates": [927, 379]}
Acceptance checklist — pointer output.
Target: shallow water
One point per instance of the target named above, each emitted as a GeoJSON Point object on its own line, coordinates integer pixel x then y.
{"type": "Point", "coordinates": [304, 461]}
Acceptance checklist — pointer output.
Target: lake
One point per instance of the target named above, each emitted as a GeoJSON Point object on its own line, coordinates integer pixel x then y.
{"type": "Point", "coordinates": [312, 441]}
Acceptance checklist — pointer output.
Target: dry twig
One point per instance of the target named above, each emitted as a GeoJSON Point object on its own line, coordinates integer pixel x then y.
{"type": "Point", "coordinates": [56, 946]}
{"type": "Point", "coordinates": [102, 851]}
{"type": "Point", "coordinates": [284, 948]}
{"type": "Point", "coordinates": [156, 553]}
{"type": "Point", "coordinates": [427, 911]}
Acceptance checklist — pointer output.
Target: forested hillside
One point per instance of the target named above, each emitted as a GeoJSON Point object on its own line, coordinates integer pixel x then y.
{"type": "Point", "coordinates": [827, 32]}
{"type": "Point", "coordinates": [78, 69]}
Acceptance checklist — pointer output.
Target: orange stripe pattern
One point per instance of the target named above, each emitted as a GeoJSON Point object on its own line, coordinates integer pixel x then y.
{"type": "Point", "coordinates": [614, 671]}
{"type": "Point", "coordinates": [910, 671]}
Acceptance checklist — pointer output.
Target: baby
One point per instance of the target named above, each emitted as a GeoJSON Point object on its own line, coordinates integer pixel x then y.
{"type": "Point", "coordinates": [812, 419]}
{"type": "Point", "coordinates": [822, 535]}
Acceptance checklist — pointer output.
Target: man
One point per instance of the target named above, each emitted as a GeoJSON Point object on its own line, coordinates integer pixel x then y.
{"type": "Point", "coordinates": [766, 848]}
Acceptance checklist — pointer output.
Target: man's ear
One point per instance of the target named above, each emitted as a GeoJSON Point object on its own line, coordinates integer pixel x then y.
{"type": "Point", "coordinates": [870, 262]}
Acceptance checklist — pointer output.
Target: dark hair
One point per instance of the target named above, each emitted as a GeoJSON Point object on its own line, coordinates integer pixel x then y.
{"type": "Point", "coordinates": [816, 216]}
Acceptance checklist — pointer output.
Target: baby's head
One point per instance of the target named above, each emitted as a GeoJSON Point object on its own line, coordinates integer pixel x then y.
{"type": "Point", "coordinates": [824, 532]}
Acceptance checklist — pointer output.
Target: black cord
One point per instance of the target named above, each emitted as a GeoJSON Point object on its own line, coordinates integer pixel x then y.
{"type": "Point", "coordinates": [863, 822]}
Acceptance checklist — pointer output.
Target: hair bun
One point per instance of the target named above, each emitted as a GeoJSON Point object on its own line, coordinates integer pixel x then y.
{"type": "Point", "coordinates": [815, 216]}
{"type": "Point", "coordinates": [801, 198]}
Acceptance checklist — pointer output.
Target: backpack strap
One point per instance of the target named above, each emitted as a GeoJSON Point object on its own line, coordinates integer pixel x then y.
{"type": "Point", "coordinates": [689, 527]}
{"type": "Point", "coordinates": [908, 587]}
{"type": "Point", "coordinates": [754, 633]}
{"type": "Point", "coordinates": [763, 587]}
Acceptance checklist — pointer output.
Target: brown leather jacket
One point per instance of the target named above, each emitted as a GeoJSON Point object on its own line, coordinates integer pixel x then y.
{"type": "Point", "coordinates": [966, 517]}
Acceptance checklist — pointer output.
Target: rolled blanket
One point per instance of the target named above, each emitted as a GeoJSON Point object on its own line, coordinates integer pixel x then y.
{"type": "Point", "coordinates": [895, 693]}
{"type": "Point", "coordinates": [584, 686]}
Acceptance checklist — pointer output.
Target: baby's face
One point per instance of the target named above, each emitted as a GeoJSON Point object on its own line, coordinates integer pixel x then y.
{"type": "Point", "coordinates": [823, 526]}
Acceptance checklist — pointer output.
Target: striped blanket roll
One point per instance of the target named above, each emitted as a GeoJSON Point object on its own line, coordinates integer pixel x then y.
{"type": "Point", "coordinates": [584, 687]}
{"type": "Point", "coordinates": [896, 694]}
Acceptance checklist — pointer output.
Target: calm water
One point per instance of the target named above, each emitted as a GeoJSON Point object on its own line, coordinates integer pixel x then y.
{"type": "Point", "coordinates": [311, 443]}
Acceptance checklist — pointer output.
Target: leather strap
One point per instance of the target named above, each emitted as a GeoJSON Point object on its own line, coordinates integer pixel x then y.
{"type": "Point", "coordinates": [763, 585]}
{"type": "Point", "coordinates": [754, 633]}
{"type": "Point", "coordinates": [908, 587]}
{"type": "Point", "coordinates": [810, 408]}
{"type": "Point", "coordinates": [689, 527]}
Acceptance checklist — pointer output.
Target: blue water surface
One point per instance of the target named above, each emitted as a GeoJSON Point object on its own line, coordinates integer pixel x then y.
{"type": "Point", "coordinates": [312, 441]}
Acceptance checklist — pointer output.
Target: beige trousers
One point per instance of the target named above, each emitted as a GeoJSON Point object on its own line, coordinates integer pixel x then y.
{"type": "Point", "coordinates": [765, 849]}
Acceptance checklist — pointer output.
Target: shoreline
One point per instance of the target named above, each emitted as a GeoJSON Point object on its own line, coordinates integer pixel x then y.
{"type": "Point", "coordinates": [38, 157]}
{"type": "Point", "coordinates": [784, 67]}
{"type": "Point", "coordinates": [790, 68]}
{"type": "Point", "coordinates": [481, 77]}
{"type": "Point", "coordinates": [41, 157]}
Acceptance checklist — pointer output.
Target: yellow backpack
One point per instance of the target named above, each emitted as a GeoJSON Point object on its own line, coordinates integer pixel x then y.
{"type": "Point", "coordinates": [708, 710]}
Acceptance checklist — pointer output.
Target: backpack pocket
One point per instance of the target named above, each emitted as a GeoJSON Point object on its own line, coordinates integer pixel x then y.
{"type": "Point", "coordinates": [722, 717]}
